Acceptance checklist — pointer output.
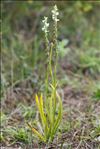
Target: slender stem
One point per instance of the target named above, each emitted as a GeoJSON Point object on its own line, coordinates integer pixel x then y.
{"type": "Point", "coordinates": [47, 54]}
{"type": "Point", "coordinates": [55, 64]}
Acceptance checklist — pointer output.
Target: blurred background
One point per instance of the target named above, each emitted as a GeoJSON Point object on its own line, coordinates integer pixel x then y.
{"type": "Point", "coordinates": [22, 53]}
{"type": "Point", "coordinates": [23, 70]}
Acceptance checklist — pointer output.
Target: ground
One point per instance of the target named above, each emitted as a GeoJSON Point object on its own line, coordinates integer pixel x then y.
{"type": "Point", "coordinates": [80, 114]}
{"type": "Point", "coordinates": [78, 73]}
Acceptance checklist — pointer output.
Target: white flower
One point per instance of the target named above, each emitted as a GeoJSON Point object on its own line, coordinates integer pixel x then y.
{"type": "Point", "coordinates": [55, 13]}
{"type": "Point", "coordinates": [45, 25]}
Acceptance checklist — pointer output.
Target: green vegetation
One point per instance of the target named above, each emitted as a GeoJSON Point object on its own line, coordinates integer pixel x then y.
{"type": "Point", "coordinates": [48, 108]}
{"type": "Point", "coordinates": [50, 77]}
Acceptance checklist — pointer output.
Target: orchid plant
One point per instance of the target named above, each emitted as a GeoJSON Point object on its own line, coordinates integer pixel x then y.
{"type": "Point", "coordinates": [49, 105]}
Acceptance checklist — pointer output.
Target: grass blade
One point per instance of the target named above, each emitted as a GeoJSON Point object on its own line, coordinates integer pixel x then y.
{"type": "Point", "coordinates": [36, 132]}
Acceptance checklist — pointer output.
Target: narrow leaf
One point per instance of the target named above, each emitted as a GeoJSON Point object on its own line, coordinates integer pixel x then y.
{"type": "Point", "coordinates": [36, 132]}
